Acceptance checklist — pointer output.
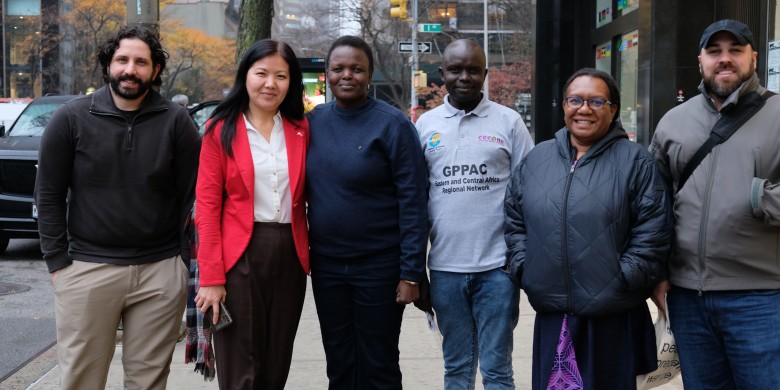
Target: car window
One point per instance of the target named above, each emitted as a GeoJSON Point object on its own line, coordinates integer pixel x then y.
{"type": "Point", "coordinates": [33, 120]}
{"type": "Point", "coordinates": [201, 113]}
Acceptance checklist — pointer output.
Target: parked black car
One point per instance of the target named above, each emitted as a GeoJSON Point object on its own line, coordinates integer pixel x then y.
{"type": "Point", "coordinates": [18, 164]}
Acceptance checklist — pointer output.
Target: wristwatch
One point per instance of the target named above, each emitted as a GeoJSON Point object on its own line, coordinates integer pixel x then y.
{"type": "Point", "coordinates": [409, 282]}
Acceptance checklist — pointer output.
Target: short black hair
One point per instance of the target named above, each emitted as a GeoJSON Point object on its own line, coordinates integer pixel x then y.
{"type": "Point", "coordinates": [357, 43]}
{"type": "Point", "coordinates": [108, 48]}
{"type": "Point", "coordinates": [612, 86]}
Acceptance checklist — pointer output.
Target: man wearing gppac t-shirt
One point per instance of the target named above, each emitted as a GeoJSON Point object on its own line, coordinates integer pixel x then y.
{"type": "Point", "coordinates": [471, 146]}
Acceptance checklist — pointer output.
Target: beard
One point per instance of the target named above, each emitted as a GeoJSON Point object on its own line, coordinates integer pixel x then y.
{"type": "Point", "coordinates": [723, 89]}
{"type": "Point", "coordinates": [129, 93]}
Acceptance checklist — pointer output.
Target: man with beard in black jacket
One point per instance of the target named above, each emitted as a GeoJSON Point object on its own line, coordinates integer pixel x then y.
{"type": "Point", "coordinates": [115, 184]}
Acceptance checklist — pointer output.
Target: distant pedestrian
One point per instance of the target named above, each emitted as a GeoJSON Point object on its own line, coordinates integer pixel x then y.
{"type": "Point", "coordinates": [115, 184]}
{"type": "Point", "coordinates": [588, 227]}
{"type": "Point", "coordinates": [471, 145]}
{"type": "Point", "coordinates": [253, 251]}
{"type": "Point", "coordinates": [181, 100]}
{"type": "Point", "coordinates": [368, 222]}
{"type": "Point", "coordinates": [724, 274]}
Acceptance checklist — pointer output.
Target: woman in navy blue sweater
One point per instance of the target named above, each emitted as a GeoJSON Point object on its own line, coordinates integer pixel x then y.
{"type": "Point", "coordinates": [368, 222]}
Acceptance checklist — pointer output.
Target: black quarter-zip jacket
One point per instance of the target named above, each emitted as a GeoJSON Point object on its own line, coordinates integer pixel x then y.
{"type": "Point", "coordinates": [115, 189]}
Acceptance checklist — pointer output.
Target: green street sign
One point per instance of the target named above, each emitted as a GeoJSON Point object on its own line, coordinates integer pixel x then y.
{"type": "Point", "coordinates": [429, 27]}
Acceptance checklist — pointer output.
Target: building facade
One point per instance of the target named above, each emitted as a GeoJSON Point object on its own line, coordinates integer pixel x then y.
{"type": "Point", "coordinates": [28, 49]}
{"type": "Point", "coordinates": [508, 25]}
{"type": "Point", "coordinates": [650, 46]}
{"type": "Point", "coordinates": [218, 18]}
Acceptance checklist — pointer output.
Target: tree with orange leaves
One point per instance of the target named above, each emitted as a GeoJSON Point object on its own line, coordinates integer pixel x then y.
{"type": "Point", "coordinates": [200, 66]}
{"type": "Point", "coordinates": [196, 65]}
{"type": "Point", "coordinates": [87, 23]}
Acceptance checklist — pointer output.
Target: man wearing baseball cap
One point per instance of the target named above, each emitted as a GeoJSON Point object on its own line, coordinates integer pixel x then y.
{"type": "Point", "coordinates": [720, 153]}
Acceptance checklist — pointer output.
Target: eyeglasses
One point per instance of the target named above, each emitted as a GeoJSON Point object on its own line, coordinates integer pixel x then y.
{"type": "Point", "coordinates": [593, 103]}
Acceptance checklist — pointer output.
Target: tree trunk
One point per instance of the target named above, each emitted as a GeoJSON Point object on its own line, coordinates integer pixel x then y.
{"type": "Point", "coordinates": [254, 24]}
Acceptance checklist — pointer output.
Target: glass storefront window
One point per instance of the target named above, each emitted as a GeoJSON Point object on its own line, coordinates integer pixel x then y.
{"type": "Point", "coordinates": [23, 7]}
{"type": "Point", "coordinates": [604, 57]}
{"type": "Point", "coordinates": [773, 49]}
{"type": "Point", "coordinates": [24, 47]}
{"type": "Point", "coordinates": [501, 46]}
{"type": "Point", "coordinates": [442, 13]}
{"type": "Point", "coordinates": [629, 66]}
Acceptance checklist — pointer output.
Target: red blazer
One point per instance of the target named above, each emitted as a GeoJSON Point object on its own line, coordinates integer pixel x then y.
{"type": "Point", "coordinates": [224, 206]}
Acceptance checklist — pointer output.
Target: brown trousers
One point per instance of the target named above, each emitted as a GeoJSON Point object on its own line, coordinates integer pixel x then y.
{"type": "Point", "coordinates": [90, 298]}
{"type": "Point", "coordinates": [265, 293]}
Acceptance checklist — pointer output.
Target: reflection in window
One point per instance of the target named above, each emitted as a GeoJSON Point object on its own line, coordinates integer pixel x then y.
{"type": "Point", "coordinates": [33, 120]}
{"type": "Point", "coordinates": [629, 65]}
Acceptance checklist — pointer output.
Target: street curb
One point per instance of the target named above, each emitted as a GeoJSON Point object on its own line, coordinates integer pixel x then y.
{"type": "Point", "coordinates": [29, 373]}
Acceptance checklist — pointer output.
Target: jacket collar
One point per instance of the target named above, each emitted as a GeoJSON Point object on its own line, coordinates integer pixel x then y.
{"type": "Point", "coordinates": [615, 133]}
{"type": "Point", "coordinates": [750, 85]}
{"type": "Point", "coordinates": [480, 110]}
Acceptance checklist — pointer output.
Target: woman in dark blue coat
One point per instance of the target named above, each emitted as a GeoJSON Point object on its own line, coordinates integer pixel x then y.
{"type": "Point", "coordinates": [588, 227]}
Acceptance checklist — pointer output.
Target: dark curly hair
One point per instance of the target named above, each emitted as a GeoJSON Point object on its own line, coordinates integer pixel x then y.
{"type": "Point", "coordinates": [108, 48]}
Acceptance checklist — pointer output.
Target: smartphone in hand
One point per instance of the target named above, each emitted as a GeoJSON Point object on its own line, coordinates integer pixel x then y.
{"type": "Point", "coordinates": [224, 318]}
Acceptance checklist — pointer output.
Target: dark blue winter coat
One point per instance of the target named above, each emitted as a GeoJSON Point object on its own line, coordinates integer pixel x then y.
{"type": "Point", "coordinates": [591, 239]}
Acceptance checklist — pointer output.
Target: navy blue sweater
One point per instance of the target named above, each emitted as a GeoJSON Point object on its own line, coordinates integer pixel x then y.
{"type": "Point", "coordinates": [366, 180]}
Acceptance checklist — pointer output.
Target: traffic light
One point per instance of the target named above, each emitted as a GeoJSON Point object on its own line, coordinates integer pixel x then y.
{"type": "Point", "coordinates": [420, 80]}
{"type": "Point", "coordinates": [398, 9]}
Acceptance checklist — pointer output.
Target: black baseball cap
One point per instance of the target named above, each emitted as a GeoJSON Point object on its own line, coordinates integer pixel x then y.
{"type": "Point", "coordinates": [737, 28]}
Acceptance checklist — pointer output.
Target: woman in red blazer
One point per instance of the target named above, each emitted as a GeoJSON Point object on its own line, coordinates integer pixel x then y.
{"type": "Point", "coordinates": [251, 218]}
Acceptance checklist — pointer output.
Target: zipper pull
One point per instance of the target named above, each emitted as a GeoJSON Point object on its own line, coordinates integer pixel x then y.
{"type": "Point", "coordinates": [129, 143]}
{"type": "Point", "coordinates": [574, 165]}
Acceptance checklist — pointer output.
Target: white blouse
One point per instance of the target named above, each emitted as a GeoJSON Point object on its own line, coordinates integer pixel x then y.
{"type": "Point", "coordinates": [273, 200]}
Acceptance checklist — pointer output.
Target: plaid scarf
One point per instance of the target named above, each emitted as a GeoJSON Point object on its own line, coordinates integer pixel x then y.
{"type": "Point", "coordinates": [198, 345]}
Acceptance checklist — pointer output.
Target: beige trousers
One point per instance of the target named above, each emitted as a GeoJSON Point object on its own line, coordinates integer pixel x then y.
{"type": "Point", "coordinates": [90, 299]}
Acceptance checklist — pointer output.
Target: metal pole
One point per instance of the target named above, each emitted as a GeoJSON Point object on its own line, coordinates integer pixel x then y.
{"type": "Point", "coordinates": [415, 57]}
{"type": "Point", "coordinates": [487, 77]}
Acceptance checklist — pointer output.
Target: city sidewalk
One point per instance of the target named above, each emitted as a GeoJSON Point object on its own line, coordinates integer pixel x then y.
{"type": "Point", "coordinates": [421, 357]}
